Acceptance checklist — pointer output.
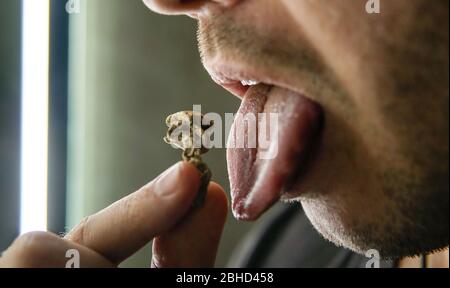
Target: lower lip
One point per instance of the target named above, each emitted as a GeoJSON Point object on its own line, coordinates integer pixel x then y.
{"type": "Point", "coordinates": [236, 89]}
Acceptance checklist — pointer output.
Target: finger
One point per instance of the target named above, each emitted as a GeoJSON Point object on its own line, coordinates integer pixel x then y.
{"type": "Point", "coordinates": [193, 243]}
{"type": "Point", "coordinates": [123, 228]}
{"type": "Point", "coordinates": [46, 250]}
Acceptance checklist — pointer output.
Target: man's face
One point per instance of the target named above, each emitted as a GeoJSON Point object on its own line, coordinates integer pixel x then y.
{"type": "Point", "coordinates": [368, 91]}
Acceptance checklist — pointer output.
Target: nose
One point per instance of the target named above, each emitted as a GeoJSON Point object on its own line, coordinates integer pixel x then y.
{"type": "Point", "coordinates": [187, 7]}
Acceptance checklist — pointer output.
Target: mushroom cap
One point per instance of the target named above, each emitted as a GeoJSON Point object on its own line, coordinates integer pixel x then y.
{"type": "Point", "coordinates": [186, 130]}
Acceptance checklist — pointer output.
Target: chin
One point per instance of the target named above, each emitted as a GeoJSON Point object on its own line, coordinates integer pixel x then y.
{"type": "Point", "coordinates": [396, 222]}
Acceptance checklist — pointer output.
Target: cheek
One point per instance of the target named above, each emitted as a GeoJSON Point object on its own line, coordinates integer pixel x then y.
{"type": "Point", "coordinates": [344, 165]}
{"type": "Point", "coordinates": [342, 188]}
{"type": "Point", "coordinates": [257, 13]}
{"type": "Point", "coordinates": [349, 43]}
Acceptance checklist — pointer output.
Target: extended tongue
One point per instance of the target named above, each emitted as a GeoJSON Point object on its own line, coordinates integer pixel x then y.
{"type": "Point", "coordinates": [257, 175]}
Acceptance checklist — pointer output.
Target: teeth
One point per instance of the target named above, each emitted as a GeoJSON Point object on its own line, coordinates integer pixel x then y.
{"type": "Point", "coordinates": [249, 82]}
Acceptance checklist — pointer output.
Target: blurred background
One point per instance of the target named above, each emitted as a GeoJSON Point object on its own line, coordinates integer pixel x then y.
{"type": "Point", "coordinates": [94, 134]}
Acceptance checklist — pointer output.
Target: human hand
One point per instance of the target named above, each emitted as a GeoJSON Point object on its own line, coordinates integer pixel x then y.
{"type": "Point", "coordinates": [159, 211]}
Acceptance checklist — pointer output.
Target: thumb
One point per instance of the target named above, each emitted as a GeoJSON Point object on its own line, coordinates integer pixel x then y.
{"type": "Point", "coordinates": [193, 243]}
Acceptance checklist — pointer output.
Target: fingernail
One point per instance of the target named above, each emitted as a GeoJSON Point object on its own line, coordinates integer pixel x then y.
{"type": "Point", "coordinates": [169, 181]}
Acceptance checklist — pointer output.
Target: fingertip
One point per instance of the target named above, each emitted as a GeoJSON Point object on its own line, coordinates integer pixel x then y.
{"type": "Point", "coordinates": [181, 181]}
{"type": "Point", "coordinates": [190, 174]}
{"type": "Point", "coordinates": [217, 201]}
{"type": "Point", "coordinates": [194, 242]}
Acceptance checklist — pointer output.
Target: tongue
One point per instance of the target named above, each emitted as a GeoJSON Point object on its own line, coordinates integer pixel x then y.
{"type": "Point", "coordinates": [259, 176]}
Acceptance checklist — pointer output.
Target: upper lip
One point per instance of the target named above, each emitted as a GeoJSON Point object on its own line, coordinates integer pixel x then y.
{"type": "Point", "coordinates": [229, 75]}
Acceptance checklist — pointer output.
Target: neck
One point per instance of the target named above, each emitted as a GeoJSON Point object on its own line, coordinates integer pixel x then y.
{"type": "Point", "coordinates": [434, 260]}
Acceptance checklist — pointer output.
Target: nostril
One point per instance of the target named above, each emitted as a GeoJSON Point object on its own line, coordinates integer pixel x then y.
{"type": "Point", "coordinates": [187, 7]}
{"type": "Point", "coordinates": [176, 7]}
{"type": "Point", "coordinates": [227, 3]}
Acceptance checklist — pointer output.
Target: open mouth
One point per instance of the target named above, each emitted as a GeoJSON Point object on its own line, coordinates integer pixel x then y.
{"type": "Point", "coordinates": [257, 183]}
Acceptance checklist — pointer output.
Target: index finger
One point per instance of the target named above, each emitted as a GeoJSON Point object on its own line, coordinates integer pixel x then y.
{"type": "Point", "coordinates": [123, 228]}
